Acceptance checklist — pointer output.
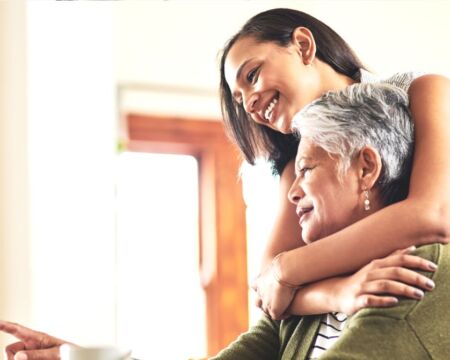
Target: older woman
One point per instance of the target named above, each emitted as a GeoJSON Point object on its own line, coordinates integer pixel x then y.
{"type": "Point", "coordinates": [354, 158]}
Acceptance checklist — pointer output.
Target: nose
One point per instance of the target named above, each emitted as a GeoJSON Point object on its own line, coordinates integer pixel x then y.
{"type": "Point", "coordinates": [295, 192]}
{"type": "Point", "coordinates": [250, 104]}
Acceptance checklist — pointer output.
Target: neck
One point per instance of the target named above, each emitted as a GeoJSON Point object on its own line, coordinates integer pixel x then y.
{"type": "Point", "coordinates": [331, 79]}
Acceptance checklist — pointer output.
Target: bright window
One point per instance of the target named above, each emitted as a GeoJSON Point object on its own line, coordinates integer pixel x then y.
{"type": "Point", "coordinates": [159, 299]}
{"type": "Point", "coordinates": [261, 195]}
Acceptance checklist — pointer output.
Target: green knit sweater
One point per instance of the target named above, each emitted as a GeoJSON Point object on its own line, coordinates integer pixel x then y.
{"type": "Point", "coordinates": [412, 330]}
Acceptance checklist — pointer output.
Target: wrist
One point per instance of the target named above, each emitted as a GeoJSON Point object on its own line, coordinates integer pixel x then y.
{"type": "Point", "coordinates": [335, 294]}
{"type": "Point", "coordinates": [279, 272]}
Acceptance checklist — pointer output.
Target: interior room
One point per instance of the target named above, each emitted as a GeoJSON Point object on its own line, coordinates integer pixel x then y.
{"type": "Point", "coordinates": [127, 216]}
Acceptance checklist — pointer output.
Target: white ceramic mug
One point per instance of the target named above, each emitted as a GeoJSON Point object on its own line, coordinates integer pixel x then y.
{"type": "Point", "coordinates": [70, 352]}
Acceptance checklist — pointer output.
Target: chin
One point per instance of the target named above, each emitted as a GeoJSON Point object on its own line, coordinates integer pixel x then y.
{"type": "Point", "coordinates": [313, 233]}
{"type": "Point", "coordinates": [285, 130]}
{"type": "Point", "coordinates": [308, 239]}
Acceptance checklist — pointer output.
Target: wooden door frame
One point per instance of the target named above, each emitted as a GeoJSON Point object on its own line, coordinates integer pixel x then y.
{"type": "Point", "coordinates": [223, 256]}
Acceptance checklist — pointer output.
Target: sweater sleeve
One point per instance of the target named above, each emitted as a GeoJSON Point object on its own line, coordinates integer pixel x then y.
{"type": "Point", "coordinates": [412, 330]}
{"type": "Point", "coordinates": [261, 342]}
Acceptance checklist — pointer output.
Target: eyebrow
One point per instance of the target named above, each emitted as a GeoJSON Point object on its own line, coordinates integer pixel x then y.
{"type": "Point", "coordinates": [297, 162]}
{"type": "Point", "coordinates": [238, 74]}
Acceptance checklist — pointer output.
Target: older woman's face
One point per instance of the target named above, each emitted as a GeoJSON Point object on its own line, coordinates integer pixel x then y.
{"type": "Point", "coordinates": [325, 203]}
{"type": "Point", "coordinates": [270, 81]}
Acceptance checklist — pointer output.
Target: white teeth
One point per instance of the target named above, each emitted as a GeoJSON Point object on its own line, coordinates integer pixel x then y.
{"type": "Point", "coordinates": [268, 112]}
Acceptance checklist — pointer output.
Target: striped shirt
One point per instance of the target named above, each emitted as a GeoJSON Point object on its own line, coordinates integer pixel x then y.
{"type": "Point", "coordinates": [402, 80]}
{"type": "Point", "coordinates": [331, 326]}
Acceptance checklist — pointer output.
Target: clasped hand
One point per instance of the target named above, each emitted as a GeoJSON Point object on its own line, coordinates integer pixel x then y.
{"type": "Point", "coordinates": [378, 284]}
{"type": "Point", "coordinates": [273, 295]}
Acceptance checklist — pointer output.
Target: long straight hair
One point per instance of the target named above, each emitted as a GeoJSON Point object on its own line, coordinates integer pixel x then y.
{"type": "Point", "coordinates": [277, 25]}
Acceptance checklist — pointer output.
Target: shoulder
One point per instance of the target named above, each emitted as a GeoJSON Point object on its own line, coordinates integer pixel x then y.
{"type": "Point", "coordinates": [402, 79]}
{"type": "Point", "coordinates": [427, 82]}
{"type": "Point", "coordinates": [426, 320]}
{"type": "Point", "coordinates": [430, 92]}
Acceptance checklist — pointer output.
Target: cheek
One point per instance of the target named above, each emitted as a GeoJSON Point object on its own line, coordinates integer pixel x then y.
{"type": "Point", "coordinates": [332, 209]}
{"type": "Point", "coordinates": [342, 210]}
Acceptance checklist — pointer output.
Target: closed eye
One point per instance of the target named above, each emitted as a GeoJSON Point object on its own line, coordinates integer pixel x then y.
{"type": "Point", "coordinates": [304, 171]}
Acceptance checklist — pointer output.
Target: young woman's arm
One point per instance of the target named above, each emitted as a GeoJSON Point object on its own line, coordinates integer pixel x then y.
{"type": "Point", "coordinates": [286, 234]}
{"type": "Point", "coordinates": [424, 217]}
{"type": "Point", "coordinates": [378, 284]}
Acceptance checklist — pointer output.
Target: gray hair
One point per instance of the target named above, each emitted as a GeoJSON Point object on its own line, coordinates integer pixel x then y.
{"type": "Point", "coordinates": [343, 122]}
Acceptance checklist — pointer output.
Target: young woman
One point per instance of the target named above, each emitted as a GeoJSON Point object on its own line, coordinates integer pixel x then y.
{"type": "Point", "coordinates": [354, 159]}
{"type": "Point", "coordinates": [280, 61]}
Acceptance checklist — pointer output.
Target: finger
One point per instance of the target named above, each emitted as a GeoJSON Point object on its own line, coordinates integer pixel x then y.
{"type": "Point", "coordinates": [258, 302]}
{"type": "Point", "coordinates": [21, 332]}
{"type": "Point", "coordinates": [392, 288]}
{"type": "Point", "coordinates": [12, 349]}
{"type": "Point", "coordinates": [405, 260]}
{"type": "Point", "coordinates": [275, 315]}
{"type": "Point", "coordinates": [44, 354]}
{"type": "Point", "coordinates": [365, 301]}
{"type": "Point", "coordinates": [404, 251]}
{"type": "Point", "coordinates": [274, 312]}
{"type": "Point", "coordinates": [271, 313]}
{"type": "Point", "coordinates": [265, 311]}
{"type": "Point", "coordinates": [402, 275]}
{"type": "Point", "coordinates": [265, 307]}
{"type": "Point", "coordinates": [10, 328]}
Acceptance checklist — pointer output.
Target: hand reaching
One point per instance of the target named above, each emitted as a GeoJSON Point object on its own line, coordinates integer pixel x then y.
{"type": "Point", "coordinates": [33, 345]}
{"type": "Point", "coordinates": [379, 283]}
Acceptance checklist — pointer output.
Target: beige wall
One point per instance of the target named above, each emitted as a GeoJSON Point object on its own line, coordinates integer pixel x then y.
{"type": "Point", "coordinates": [176, 43]}
{"type": "Point", "coordinates": [14, 217]}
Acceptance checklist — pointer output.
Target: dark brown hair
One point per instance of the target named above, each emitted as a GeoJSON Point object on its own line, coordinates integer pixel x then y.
{"type": "Point", "coordinates": [277, 25]}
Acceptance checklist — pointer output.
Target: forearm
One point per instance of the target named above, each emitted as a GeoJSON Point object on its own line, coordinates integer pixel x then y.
{"type": "Point", "coordinates": [285, 234]}
{"type": "Point", "coordinates": [316, 298]}
{"type": "Point", "coordinates": [403, 224]}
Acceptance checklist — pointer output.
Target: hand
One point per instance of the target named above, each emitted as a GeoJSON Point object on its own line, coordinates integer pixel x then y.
{"type": "Point", "coordinates": [380, 282]}
{"type": "Point", "coordinates": [33, 345]}
{"type": "Point", "coordinates": [273, 295]}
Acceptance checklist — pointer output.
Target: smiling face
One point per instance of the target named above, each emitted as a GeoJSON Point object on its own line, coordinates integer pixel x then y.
{"type": "Point", "coordinates": [272, 82]}
{"type": "Point", "coordinates": [325, 203]}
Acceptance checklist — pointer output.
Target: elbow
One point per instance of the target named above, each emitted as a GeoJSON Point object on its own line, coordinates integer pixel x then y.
{"type": "Point", "coordinates": [434, 224]}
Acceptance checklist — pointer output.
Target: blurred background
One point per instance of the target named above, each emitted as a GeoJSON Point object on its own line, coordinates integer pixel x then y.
{"type": "Point", "coordinates": [122, 216]}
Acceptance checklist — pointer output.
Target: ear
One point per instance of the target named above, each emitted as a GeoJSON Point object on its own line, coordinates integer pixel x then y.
{"type": "Point", "coordinates": [369, 163]}
{"type": "Point", "coordinates": [304, 42]}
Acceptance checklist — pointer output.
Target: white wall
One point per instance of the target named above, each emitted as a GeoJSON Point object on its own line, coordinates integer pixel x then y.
{"type": "Point", "coordinates": [72, 139]}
